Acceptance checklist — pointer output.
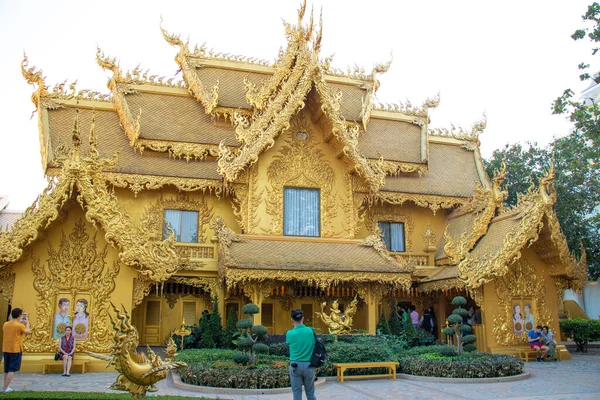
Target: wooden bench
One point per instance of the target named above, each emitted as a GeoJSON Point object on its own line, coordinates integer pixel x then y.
{"type": "Point", "coordinates": [390, 365]}
{"type": "Point", "coordinates": [526, 352]}
{"type": "Point", "coordinates": [55, 364]}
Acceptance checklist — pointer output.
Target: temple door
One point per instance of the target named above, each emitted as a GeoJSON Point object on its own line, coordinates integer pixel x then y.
{"type": "Point", "coordinates": [152, 323]}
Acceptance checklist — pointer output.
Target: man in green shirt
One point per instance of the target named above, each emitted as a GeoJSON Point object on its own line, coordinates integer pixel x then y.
{"type": "Point", "coordinates": [301, 340]}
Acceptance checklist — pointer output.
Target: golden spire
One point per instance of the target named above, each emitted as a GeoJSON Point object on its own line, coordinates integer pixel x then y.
{"type": "Point", "coordinates": [76, 136]}
{"type": "Point", "coordinates": [93, 139]}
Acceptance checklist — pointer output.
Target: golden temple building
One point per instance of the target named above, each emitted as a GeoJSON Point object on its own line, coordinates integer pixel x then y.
{"type": "Point", "coordinates": [283, 184]}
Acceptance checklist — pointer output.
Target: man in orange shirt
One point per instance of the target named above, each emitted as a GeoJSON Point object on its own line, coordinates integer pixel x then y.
{"type": "Point", "coordinates": [12, 344]}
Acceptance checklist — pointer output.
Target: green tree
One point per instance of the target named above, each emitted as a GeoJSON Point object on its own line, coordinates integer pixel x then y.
{"type": "Point", "coordinates": [583, 153]}
{"type": "Point", "coordinates": [456, 328]}
{"type": "Point", "coordinates": [577, 185]}
{"type": "Point", "coordinates": [214, 323]}
{"type": "Point", "coordinates": [394, 324]}
{"type": "Point", "coordinates": [230, 328]}
{"type": "Point", "coordinates": [383, 328]}
{"type": "Point", "coordinates": [206, 339]}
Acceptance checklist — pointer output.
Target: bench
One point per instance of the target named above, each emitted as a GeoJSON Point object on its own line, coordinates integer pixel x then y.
{"type": "Point", "coordinates": [526, 352]}
{"type": "Point", "coordinates": [76, 363]}
{"type": "Point", "coordinates": [390, 365]}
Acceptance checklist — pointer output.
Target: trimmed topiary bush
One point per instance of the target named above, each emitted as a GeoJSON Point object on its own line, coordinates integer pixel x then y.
{"type": "Point", "coordinates": [457, 328]}
{"type": "Point", "coordinates": [248, 377]}
{"type": "Point", "coordinates": [260, 348]}
{"type": "Point", "coordinates": [251, 334]}
{"type": "Point", "coordinates": [279, 349]}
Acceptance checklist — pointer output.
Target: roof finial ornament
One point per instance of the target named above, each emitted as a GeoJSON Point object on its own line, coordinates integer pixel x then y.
{"type": "Point", "coordinates": [33, 76]}
{"type": "Point", "coordinates": [318, 38]}
{"type": "Point", "coordinates": [108, 63]}
{"type": "Point", "coordinates": [499, 194]}
{"type": "Point", "coordinates": [301, 12]}
{"type": "Point", "coordinates": [174, 40]}
{"type": "Point", "coordinates": [547, 190]}
{"type": "Point", "coordinates": [380, 69]}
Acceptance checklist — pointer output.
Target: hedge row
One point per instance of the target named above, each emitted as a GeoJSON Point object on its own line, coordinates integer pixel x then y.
{"type": "Point", "coordinates": [237, 378]}
{"type": "Point", "coordinates": [466, 366]}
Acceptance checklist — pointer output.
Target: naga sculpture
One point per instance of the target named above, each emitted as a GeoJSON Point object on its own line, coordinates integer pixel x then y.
{"type": "Point", "coordinates": [338, 322]}
{"type": "Point", "coordinates": [137, 372]}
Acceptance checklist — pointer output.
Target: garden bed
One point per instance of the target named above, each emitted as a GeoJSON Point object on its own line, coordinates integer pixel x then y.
{"type": "Point", "coordinates": [476, 365]}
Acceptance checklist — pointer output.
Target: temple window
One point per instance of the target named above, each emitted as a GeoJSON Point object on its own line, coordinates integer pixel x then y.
{"type": "Point", "coordinates": [393, 235]}
{"type": "Point", "coordinates": [301, 214]}
{"type": "Point", "coordinates": [184, 225]}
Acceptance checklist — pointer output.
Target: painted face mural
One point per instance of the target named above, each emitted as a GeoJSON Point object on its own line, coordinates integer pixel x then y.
{"type": "Point", "coordinates": [61, 318]}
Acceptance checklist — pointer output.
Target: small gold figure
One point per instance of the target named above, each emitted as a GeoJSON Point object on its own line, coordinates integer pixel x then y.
{"type": "Point", "coordinates": [183, 332]}
{"type": "Point", "coordinates": [338, 322]}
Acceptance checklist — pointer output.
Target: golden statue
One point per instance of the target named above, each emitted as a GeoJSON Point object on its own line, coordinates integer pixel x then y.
{"type": "Point", "coordinates": [171, 350]}
{"type": "Point", "coordinates": [338, 322]}
{"type": "Point", "coordinates": [137, 372]}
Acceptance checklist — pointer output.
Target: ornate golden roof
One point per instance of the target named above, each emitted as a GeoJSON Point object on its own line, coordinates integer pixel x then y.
{"type": "Point", "coordinates": [242, 258]}
{"type": "Point", "coordinates": [513, 230]}
{"type": "Point", "coordinates": [83, 176]}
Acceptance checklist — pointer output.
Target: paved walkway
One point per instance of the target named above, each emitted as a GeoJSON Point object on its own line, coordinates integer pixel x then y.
{"type": "Point", "coordinates": [574, 379]}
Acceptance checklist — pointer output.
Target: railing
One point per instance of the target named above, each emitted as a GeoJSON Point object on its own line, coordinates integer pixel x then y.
{"type": "Point", "coordinates": [420, 259]}
{"type": "Point", "coordinates": [195, 251]}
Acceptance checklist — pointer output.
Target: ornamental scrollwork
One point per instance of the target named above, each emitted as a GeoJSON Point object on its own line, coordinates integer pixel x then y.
{"type": "Point", "coordinates": [520, 282]}
{"type": "Point", "coordinates": [136, 183]}
{"type": "Point", "coordinates": [7, 283]}
{"type": "Point", "coordinates": [433, 202]}
{"type": "Point", "coordinates": [153, 220]}
{"type": "Point", "coordinates": [388, 213]}
{"type": "Point", "coordinates": [300, 163]}
{"type": "Point", "coordinates": [76, 269]}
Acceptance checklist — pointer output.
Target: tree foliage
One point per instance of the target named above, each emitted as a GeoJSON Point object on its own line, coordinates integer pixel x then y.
{"type": "Point", "coordinates": [383, 328]}
{"type": "Point", "coordinates": [461, 333]}
{"type": "Point", "coordinates": [576, 157]}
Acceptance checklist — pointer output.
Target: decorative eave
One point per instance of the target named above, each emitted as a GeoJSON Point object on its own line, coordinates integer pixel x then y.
{"type": "Point", "coordinates": [156, 261]}
{"type": "Point", "coordinates": [441, 285]}
{"type": "Point", "coordinates": [485, 204]}
{"type": "Point", "coordinates": [532, 207]}
{"type": "Point", "coordinates": [321, 279]}
{"type": "Point", "coordinates": [433, 202]}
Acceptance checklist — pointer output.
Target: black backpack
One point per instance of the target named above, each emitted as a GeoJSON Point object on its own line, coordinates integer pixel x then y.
{"type": "Point", "coordinates": [319, 354]}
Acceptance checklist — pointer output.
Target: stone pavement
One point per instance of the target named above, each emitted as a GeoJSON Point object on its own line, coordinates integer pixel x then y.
{"type": "Point", "coordinates": [574, 379]}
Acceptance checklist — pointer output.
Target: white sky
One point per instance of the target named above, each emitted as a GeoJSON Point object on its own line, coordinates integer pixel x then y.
{"type": "Point", "coordinates": [509, 59]}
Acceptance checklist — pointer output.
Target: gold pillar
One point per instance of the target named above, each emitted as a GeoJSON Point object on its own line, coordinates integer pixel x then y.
{"type": "Point", "coordinates": [440, 315]}
{"type": "Point", "coordinates": [372, 297]}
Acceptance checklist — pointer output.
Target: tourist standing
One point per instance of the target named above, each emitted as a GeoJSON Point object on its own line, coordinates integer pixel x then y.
{"type": "Point", "coordinates": [301, 340]}
{"type": "Point", "coordinates": [414, 316]}
{"type": "Point", "coordinates": [425, 321]}
{"type": "Point", "coordinates": [12, 344]}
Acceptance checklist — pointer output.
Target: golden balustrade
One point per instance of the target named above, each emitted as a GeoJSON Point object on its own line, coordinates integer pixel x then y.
{"type": "Point", "coordinates": [420, 259]}
{"type": "Point", "coordinates": [195, 251]}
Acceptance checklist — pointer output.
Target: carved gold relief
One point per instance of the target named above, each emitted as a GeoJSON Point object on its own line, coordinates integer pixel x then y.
{"type": "Point", "coordinates": [7, 283]}
{"type": "Point", "coordinates": [141, 288]}
{"type": "Point", "coordinates": [429, 236]}
{"type": "Point", "coordinates": [442, 284]}
{"type": "Point", "coordinates": [522, 281]}
{"type": "Point", "coordinates": [153, 219]}
{"type": "Point", "coordinates": [187, 151]}
{"type": "Point", "coordinates": [77, 267]}
{"type": "Point", "coordinates": [388, 213]}
{"type": "Point", "coordinates": [300, 163]}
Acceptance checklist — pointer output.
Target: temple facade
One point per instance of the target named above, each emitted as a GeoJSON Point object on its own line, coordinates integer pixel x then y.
{"type": "Point", "coordinates": [281, 184]}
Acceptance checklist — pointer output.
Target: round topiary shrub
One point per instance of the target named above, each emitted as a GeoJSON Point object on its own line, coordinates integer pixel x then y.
{"type": "Point", "coordinates": [469, 347]}
{"type": "Point", "coordinates": [259, 330]}
{"type": "Point", "coordinates": [245, 342]}
{"type": "Point", "coordinates": [447, 351]}
{"type": "Point", "coordinates": [454, 319]}
{"type": "Point", "coordinates": [250, 308]}
{"type": "Point", "coordinates": [459, 301]}
{"type": "Point", "coordinates": [241, 358]}
{"type": "Point", "coordinates": [260, 348]}
{"type": "Point", "coordinates": [243, 324]}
